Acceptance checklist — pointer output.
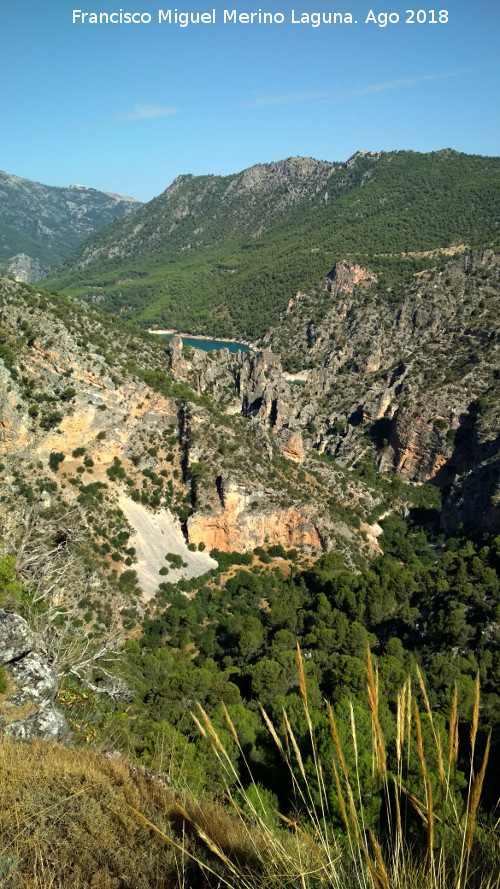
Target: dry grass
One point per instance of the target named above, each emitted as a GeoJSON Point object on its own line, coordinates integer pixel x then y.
{"type": "Point", "coordinates": [79, 820]}
{"type": "Point", "coordinates": [64, 817]}
{"type": "Point", "coordinates": [68, 821]}
{"type": "Point", "coordinates": [312, 854]}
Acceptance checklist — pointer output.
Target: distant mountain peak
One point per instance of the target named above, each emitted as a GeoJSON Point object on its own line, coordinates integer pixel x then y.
{"type": "Point", "coordinates": [373, 155]}
{"type": "Point", "coordinates": [42, 223]}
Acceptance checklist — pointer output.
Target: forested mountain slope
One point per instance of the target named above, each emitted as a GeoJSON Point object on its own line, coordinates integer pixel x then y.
{"type": "Point", "coordinates": [319, 533]}
{"type": "Point", "coordinates": [225, 255]}
{"type": "Point", "coordinates": [43, 223]}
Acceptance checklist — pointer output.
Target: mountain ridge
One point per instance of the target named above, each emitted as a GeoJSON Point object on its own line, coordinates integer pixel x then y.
{"type": "Point", "coordinates": [44, 222]}
{"type": "Point", "coordinates": [223, 255]}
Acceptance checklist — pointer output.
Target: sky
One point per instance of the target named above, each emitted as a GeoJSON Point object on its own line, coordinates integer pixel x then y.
{"type": "Point", "coordinates": [128, 107]}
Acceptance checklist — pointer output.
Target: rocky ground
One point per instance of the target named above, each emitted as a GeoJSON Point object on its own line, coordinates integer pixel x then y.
{"type": "Point", "coordinates": [27, 708]}
{"type": "Point", "coordinates": [155, 535]}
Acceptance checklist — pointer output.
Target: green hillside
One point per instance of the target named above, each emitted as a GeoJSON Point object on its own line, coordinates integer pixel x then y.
{"type": "Point", "coordinates": [14, 241]}
{"type": "Point", "coordinates": [46, 222]}
{"type": "Point", "coordinates": [221, 256]}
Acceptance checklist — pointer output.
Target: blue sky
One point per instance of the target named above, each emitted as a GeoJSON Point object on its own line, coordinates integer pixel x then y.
{"type": "Point", "coordinates": [127, 108]}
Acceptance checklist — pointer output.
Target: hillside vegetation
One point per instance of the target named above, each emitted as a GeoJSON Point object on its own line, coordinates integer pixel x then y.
{"type": "Point", "coordinates": [46, 222]}
{"type": "Point", "coordinates": [224, 255]}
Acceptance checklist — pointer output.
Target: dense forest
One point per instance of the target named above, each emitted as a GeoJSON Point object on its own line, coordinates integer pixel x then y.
{"type": "Point", "coordinates": [236, 282]}
{"type": "Point", "coordinates": [427, 603]}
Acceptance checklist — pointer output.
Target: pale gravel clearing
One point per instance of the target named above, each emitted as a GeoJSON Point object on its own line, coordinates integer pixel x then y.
{"type": "Point", "coordinates": [155, 535]}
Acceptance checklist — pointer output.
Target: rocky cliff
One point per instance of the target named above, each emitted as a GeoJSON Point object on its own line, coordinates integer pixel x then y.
{"type": "Point", "coordinates": [24, 268]}
{"type": "Point", "coordinates": [248, 516]}
{"type": "Point", "coordinates": [405, 381]}
{"type": "Point", "coordinates": [97, 438]}
{"type": "Point", "coordinates": [27, 709]}
{"type": "Point", "coordinates": [415, 375]}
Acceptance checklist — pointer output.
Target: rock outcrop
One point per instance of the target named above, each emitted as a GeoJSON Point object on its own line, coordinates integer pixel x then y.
{"type": "Point", "coordinates": [419, 448]}
{"type": "Point", "coordinates": [249, 383]}
{"type": "Point", "coordinates": [248, 516]}
{"type": "Point", "coordinates": [27, 707]}
{"type": "Point", "coordinates": [24, 268]}
{"type": "Point", "coordinates": [345, 276]}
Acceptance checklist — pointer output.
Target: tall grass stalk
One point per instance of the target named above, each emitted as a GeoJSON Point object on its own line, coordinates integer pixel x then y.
{"type": "Point", "coordinates": [326, 846]}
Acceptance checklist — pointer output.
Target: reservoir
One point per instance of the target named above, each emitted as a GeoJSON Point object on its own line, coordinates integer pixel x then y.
{"type": "Point", "coordinates": [208, 345]}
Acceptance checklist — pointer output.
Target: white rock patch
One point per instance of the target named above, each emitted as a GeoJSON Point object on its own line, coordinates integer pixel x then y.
{"type": "Point", "coordinates": [155, 535]}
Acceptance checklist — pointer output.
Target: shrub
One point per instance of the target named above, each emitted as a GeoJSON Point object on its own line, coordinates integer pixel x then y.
{"type": "Point", "coordinates": [277, 551]}
{"type": "Point", "coordinates": [56, 457]}
{"type": "Point", "coordinates": [440, 424]}
{"type": "Point", "coordinates": [68, 393]}
{"type": "Point", "coordinates": [49, 421]}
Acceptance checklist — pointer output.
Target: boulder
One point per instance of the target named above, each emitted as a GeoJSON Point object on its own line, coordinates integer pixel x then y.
{"type": "Point", "coordinates": [16, 638]}
{"type": "Point", "coordinates": [47, 724]}
{"type": "Point", "coordinates": [35, 686]}
{"type": "Point", "coordinates": [37, 681]}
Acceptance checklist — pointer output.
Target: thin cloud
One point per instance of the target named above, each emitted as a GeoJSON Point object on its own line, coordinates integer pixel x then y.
{"type": "Point", "coordinates": [283, 99]}
{"type": "Point", "coordinates": [399, 83]}
{"type": "Point", "coordinates": [326, 98]}
{"type": "Point", "coordinates": [143, 112]}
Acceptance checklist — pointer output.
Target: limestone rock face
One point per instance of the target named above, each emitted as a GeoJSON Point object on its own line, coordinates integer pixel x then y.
{"type": "Point", "coordinates": [291, 444]}
{"type": "Point", "coordinates": [24, 268]}
{"type": "Point", "coordinates": [248, 516]}
{"type": "Point", "coordinates": [46, 724]}
{"type": "Point", "coordinates": [16, 638]}
{"type": "Point", "coordinates": [32, 686]}
{"type": "Point", "coordinates": [418, 448]}
{"type": "Point", "coordinates": [37, 681]}
{"type": "Point", "coordinates": [177, 363]}
{"type": "Point", "coordinates": [260, 390]}
{"type": "Point", "coordinates": [345, 276]}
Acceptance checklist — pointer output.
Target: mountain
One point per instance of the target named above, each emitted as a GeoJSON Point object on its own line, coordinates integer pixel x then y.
{"type": "Point", "coordinates": [177, 525]}
{"type": "Point", "coordinates": [223, 255]}
{"type": "Point", "coordinates": [40, 224]}
{"type": "Point", "coordinates": [94, 423]}
{"type": "Point", "coordinates": [174, 522]}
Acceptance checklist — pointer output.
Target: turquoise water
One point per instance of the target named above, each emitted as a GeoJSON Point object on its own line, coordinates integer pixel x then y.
{"type": "Point", "coordinates": [210, 345]}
